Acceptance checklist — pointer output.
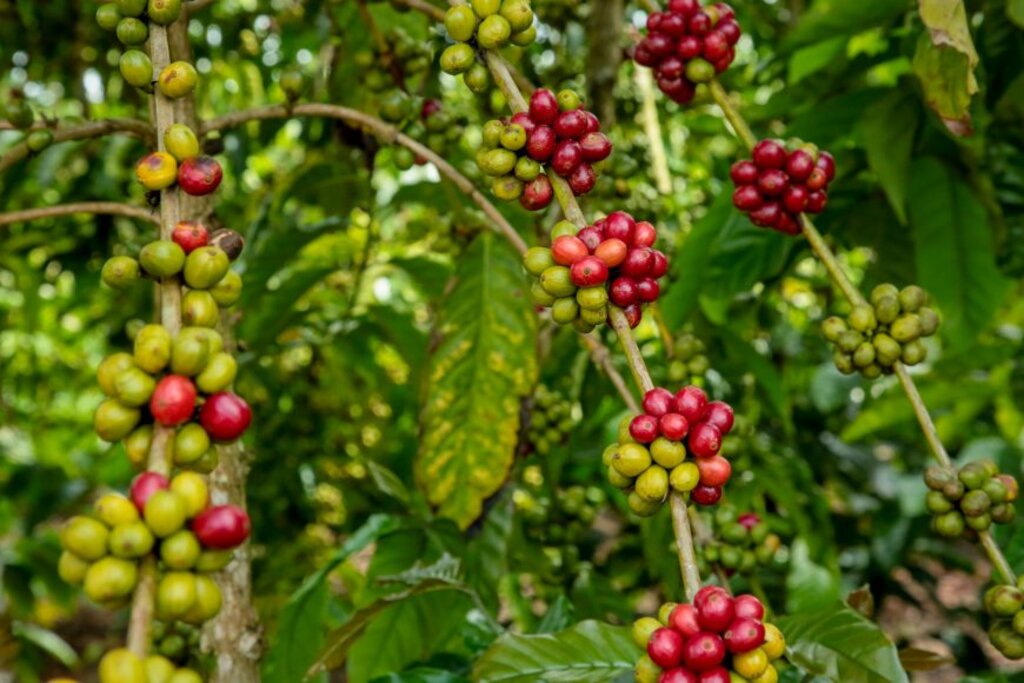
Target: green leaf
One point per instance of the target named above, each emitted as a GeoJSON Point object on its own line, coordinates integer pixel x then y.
{"type": "Point", "coordinates": [916, 659]}
{"type": "Point", "coordinates": [829, 18]}
{"type": "Point", "coordinates": [955, 255]}
{"type": "Point", "coordinates": [589, 652]}
{"type": "Point", "coordinates": [559, 615]}
{"type": "Point", "coordinates": [422, 675]}
{"type": "Point", "coordinates": [485, 361]}
{"type": "Point", "coordinates": [809, 584]}
{"type": "Point", "coordinates": [887, 132]}
{"type": "Point", "coordinates": [945, 60]}
{"type": "Point", "coordinates": [691, 262]}
{"type": "Point", "coordinates": [300, 633]}
{"type": "Point", "coordinates": [766, 375]}
{"type": "Point", "coordinates": [1015, 12]}
{"type": "Point", "coordinates": [487, 553]}
{"type": "Point", "coordinates": [838, 643]}
{"type": "Point", "coordinates": [409, 632]}
{"type": "Point", "coordinates": [47, 641]}
{"type": "Point", "coordinates": [341, 640]}
{"type": "Point", "coordinates": [813, 58]}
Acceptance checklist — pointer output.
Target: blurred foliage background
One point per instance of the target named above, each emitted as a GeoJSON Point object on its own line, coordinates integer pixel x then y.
{"type": "Point", "coordinates": [356, 270]}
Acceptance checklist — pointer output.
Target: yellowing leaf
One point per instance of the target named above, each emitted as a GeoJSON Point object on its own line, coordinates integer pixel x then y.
{"type": "Point", "coordinates": [484, 363]}
{"type": "Point", "coordinates": [945, 61]}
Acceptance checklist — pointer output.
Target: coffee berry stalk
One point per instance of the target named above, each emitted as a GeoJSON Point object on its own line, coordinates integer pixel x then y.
{"type": "Point", "coordinates": [888, 330]}
{"type": "Point", "coordinates": [610, 262]}
{"type": "Point", "coordinates": [716, 639]}
{"type": "Point", "coordinates": [970, 499]}
{"type": "Point", "coordinates": [688, 45]}
{"type": "Point", "coordinates": [651, 455]}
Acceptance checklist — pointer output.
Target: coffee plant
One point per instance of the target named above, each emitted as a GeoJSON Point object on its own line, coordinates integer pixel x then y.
{"type": "Point", "coordinates": [545, 366]}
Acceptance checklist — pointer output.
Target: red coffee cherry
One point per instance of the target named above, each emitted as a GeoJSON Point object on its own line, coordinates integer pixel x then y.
{"type": "Point", "coordinates": [537, 194]}
{"type": "Point", "coordinates": [717, 675]}
{"type": "Point", "coordinates": [706, 495]}
{"type": "Point", "coordinates": [744, 635]}
{"type": "Point", "coordinates": [583, 179]}
{"type": "Point", "coordinates": [691, 402]}
{"type": "Point", "coordinates": [660, 265]}
{"type": "Point", "coordinates": [569, 249]}
{"type": "Point", "coordinates": [199, 175]}
{"type": "Point", "coordinates": [705, 440]}
{"type": "Point", "coordinates": [673, 426]}
{"type": "Point", "coordinates": [612, 252]}
{"type": "Point", "coordinates": [571, 124]}
{"type": "Point", "coordinates": [624, 292]}
{"type": "Point", "coordinates": [619, 225]}
{"type": "Point", "coordinates": [595, 147]}
{"type": "Point", "coordinates": [221, 527]}
{"type": "Point", "coordinates": [665, 648]}
{"type": "Point", "coordinates": [644, 234]}
{"type": "Point", "coordinates": [747, 606]}
{"type": "Point", "coordinates": [769, 154]}
{"type": "Point", "coordinates": [644, 428]}
{"type": "Point", "coordinates": [568, 156]}
{"type": "Point", "coordinates": [684, 620]}
{"type": "Point", "coordinates": [703, 652]}
{"type": "Point", "coordinates": [746, 173]}
{"type": "Point", "coordinates": [190, 235]}
{"type": "Point", "coordinates": [678, 675]}
{"type": "Point", "coordinates": [716, 612]}
{"type": "Point", "coordinates": [719, 414]}
{"type": "Point", "coordinates": [540, 144]}
{"type": "Point", "coordinates": [589, 272]}
{"type": "Point", "coordinates": [714, 471]}
{"type": "Point", "coordinates": [225, 416]}
{"type": "Point", "coordinates": [543, 106]}
{"type": "Point", "coordinates": [173, 400]}
{"type": "Point", "coordinates": [658, 401]}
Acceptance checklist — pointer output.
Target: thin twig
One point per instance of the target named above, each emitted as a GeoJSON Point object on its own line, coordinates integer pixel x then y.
{"type": "Point", "coordinates": [424, 7]}
{"type": "Point", "coordinates": [82, 131]}
{"type": "Point", "coordinates": [850, 291]}
{"type": "Point", "coordinates": [652, 128]}
{"type": "Point", "coordinates": [571, 208]}
{"type": "Point", "coordinates": [141, 618]}
{"type": "Point", "coordinates": [601, 356]}
{"type": "Point", "coordinates": [738, 123]}
{"type": "Point", "coordinates": [684, 545]}
{"type": "Point", "coordinates": [97, 208]}
{"type": "Point", "coordinates": [383, 131]}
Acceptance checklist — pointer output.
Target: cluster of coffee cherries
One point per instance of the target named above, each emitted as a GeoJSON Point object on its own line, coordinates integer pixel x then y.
{"type": "Point", "coordinates": [889, 330]}
{"type": "Point", "coordinates": [18, 112]}
{"type": "Point", "coordinates": [124, 666]}
{"type": "Point", "coordinates": [172, 520]}
{"type": "Point", "coordinates": [1005, 607]}
{"type": "Point", "coordinates": [183, 163]}
{"type": "Point", "coordinates": [717, 639]}
{"type": "Point", "coordinates": [651, 454]}
{"type": "Point", "coordinates": [689, 361]}
{"type": "Point", "coordinates": [488, 25]}
{"type": "Point", "coordinates": [128, 18]}
{"type": "Point", "coordinates": [742, 541]}
{"type": "Point", "coordinates": [612, 261]}
{"type": "Point", "coordinates": [687, 45]}
{"type": "Point", "coordinates": [560, 521]}
{"type": "Point", "coordinates": [175, 641]}
{"type": "Point", "coordinates": [778, 184]}
{"type": "Point", "coordinates": [551, 420]}
{"type": "Point", "coordinates": [974, 497]}
{"type": "Point", "coordinates": [174, 380]}
{"type": "Point", "coordinates": [428, 121]}
{"type": "Point", "coordinates": [406, 59]}
{"type": "Point", "coordinates": [556, 132]}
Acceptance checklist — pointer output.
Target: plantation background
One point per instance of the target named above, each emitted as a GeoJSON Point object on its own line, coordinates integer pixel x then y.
{"type": "Point", "coordinates": [353, 271]}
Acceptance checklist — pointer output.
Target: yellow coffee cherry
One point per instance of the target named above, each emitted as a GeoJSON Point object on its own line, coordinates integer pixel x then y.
{"type": "Point", "coordinates": [157, 171]}
{"type": "Point", "coordinates": [750, 664]}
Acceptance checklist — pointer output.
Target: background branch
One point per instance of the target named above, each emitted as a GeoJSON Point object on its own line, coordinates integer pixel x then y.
{"type": "Point", "coordinates": [97, 208]}
{"type": "Point", "coordinates": [83, 131]}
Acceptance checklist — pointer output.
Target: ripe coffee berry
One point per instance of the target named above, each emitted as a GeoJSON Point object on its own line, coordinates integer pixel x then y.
{"type": "Point", "coordinates": [777, 185]}
{"type": "Point", "coordinates": [709, 652]}
{"type": "Point", "coordinates": [687, 45]}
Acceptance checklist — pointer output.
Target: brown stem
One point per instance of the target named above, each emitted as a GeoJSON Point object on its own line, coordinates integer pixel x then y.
{"type": "Point", "coordinates": [850, 291]}
{"type": "Point", "coordinates": [424, 7]}
{"type": "Point", "coordinates": [385, 132]}
{"type": "Point", "coordinates": [652, 128]}
{"type": "Point", "coordinates": [684, 545]}
{"type": "Point", "coordinates": [571, 208]}
{"type": "Point", "coordinates": [82, 131]}
{"type": "Point", "coordinates": [96, 208]}
{"type": "Point", "coordinates": [169, 289]}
